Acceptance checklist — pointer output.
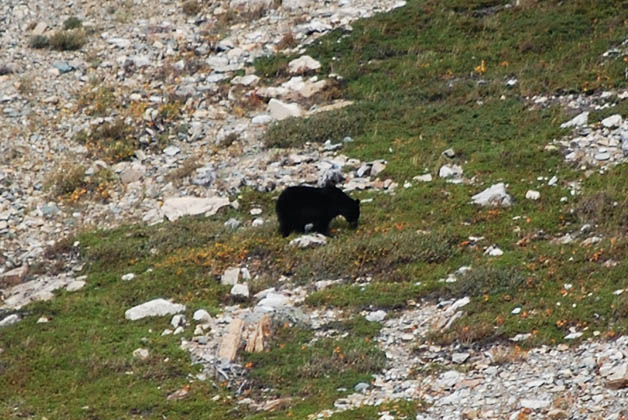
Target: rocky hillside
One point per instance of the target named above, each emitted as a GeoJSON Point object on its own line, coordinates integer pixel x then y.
{"type": "Point", "coordinates": [144, 143]}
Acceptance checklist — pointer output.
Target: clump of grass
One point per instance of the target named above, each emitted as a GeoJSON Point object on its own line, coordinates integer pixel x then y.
{"type": "Point", "coordinates": [191, 7]}
{"type": "Point", "coordinates": [296, 367]}
{"type": "Point", "coordinates": [69, 183]}
{"type": "Point", "coordinates": [380, 255]}
{"type": "Point", "coordinates": [66, 178]}
{"type": "Point", "coordinates": [72, 23]}
{"type": "Point", "coordinates": [69, 40]}
{"type": "Point", "coordinates": [272, 66]}
{"type": "Point", "coordinates": [490, 280]}
{"type": "Point", "coordinates": [332, 125]}
{"type": "Point", "coordinates": [38, 42]}
{"type": "Point", "coordinates": [185, 170]}
{"type": "Point", "coordinates": [112, 141]}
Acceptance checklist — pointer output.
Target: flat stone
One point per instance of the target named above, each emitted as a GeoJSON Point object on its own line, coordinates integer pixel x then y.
{"type": "Point", "coordinates": [459, 357]}
{"type": "Point", "coordinates": [602, 156]}
{"type": "Point", "coordinates": [128, 276]}
{"type": "Point", "coordinates": [309, 241]}
{"type": "Point", "coordinates": [617, 377]}
{"type": "Point", "coordinates": [248, 80]}
{"type": "Point", "coordinates": [155, 307]}
{"type": "Point", "coordinates": [40, 28]}
{"type": "Point", "coordinates": [535, 404]}
{"type": "Point", "coordinates": [173, 208]}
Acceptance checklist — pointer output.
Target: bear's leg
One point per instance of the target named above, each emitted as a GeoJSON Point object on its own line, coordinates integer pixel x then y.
{"type": "Point", "coordinates": [284, 228]}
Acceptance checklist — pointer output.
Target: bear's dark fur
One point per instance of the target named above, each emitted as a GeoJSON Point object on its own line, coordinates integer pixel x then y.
{"type": "Point", "coordinates": [301, 205]}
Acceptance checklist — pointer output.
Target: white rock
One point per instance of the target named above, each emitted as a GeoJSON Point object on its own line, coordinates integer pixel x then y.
{"type": "Point", "coordinates": [449, 379]}
{"type": "Point", "coordinates": [516, 311]}
{"type": "Point", "coordinates": [257, 222]}
{"type": "Point", "coordinates": [377, 167]}
{"type": "Point", "coordinates": [178, 330]}
{"type": "Point", "coordinates": [573, 335]}
{"type": "Point", "coordinates": [423, 178]}
{"type": "Point", "coordinates": [303, 64]}
{"type": "Point", "coordinates": [295, 4]}
{"type": "Point", "coordinates": [553, 181]}
{"type": "Point", "coordinates": [495, 195]}
{"type": "Point", "coordinates": [171, 150]}
{"type": "Point", "coordinates": [248, 80]}
{"type": "Point", "coordinates": [10, 320]}
{"type": "Point", "coordinates": [255, 211]}
{"type": "Point", "coordinates": [533, 195]}
{"type": "Point", "coordinates": [173, 208]}
{"type": "Point", "coordinates": [240, 290]}
{"type": "Point", "coordinates": [155, 307]}
{"type": "Point", "coordinates": [141, 354]}
{"type": "Point", "coordinates": [201, 315]}
{"type": "Point", "coordinates": [450, 171]}
{"type": "Point", "coordinates": [580, 119]}
{"type": "Point", "coordinates": [274, 300]}
{"type": "Point", "coordinates": [612, 121]}
{"type": "Point", "coordinates": [230, 276]}
{"type": "Point", "coordinates": [493, 251]}
{"type": "Point", "coordinates": [376, 316]}
{"type": "Point", "coordinates": [128, 276]}
{"type": "Point", "coordinates": [309, 241]}
{"type": "Point", "coordinates": [459, 357]}
{"type": "Point", "coordinates": [75, 285]}
{"type": "Point", "coordinates": [177, 320]}
{"type": "Point", "coordinates": [261, 119]}
{"type": "Point", "coordinates": [535, 404]}
{"type": "Point", "coordinates": [281, 110]}
{"type": "Point", "coordinates": [43, 320]}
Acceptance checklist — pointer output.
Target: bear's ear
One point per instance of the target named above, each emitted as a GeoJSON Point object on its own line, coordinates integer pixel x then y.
{"type": "Point", "coordinates": [357, 200]}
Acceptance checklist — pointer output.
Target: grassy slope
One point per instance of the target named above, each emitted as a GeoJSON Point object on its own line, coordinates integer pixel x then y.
{"type": "Point", "coordinates": [415, 76]}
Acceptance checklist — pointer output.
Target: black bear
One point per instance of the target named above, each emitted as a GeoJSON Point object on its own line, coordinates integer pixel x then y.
{"type": "Point", "coordinates": [300, 206]}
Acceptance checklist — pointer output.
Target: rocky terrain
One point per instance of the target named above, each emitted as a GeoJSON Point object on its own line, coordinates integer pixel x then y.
{"type": "Point", "coordinates": [183, 81]}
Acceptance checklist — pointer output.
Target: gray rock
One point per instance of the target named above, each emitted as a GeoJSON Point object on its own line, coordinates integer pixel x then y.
{"type": "Point", "coordinates": [450, 153]}
{"type": "Point", "coordinates": [495, 195]}
{"type": "Point", "coordinates": [171, 150]}
{"type": "Point", "coordinates": [204, 176]}
{"type": "Point", "coordinates": [63, 67]}
{"type": "Point", "coordinates": [459, 358]}
{"type": "Point", "coordinates": [580, 119]}
{"type": "Point", "coordinates": [281, 110]}
{"type": "Point", "coordinates": [331, 177]}
{"type": "Point", "coordinates": [376, 316]}
{"type": "Point", "coordinates": [128, 276]}
{"type": "Point", "coordinates": [232, 223]}
{"type": "Point", "coordinates": [155, 307]}
{"type": "Point", "coordinates": [612, 121]}
{"type": "Point", "coordinates": [303, 64]}
{"type": "Point", "coordinates": [10, 320]}
{"type": "Point", "coordinates": [533, 195]}
{"type": "Point", "coordinates": [75, 285]}
{"type": "Point", "coordinates": [361, 387]}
